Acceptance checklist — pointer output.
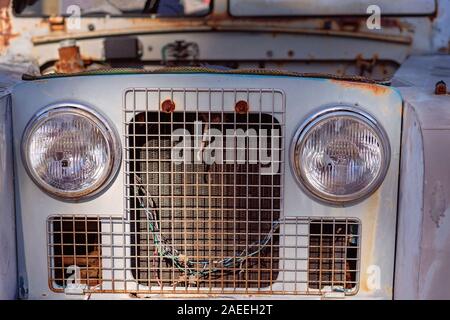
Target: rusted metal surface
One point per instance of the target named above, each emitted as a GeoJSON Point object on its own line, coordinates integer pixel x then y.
{"type": "Point", "coordinates": [329, 26]}
{"type": "Point", "coordinates": [241, 107]}
{"type": "Point", "coordinates": [56, 23]}
{"type": "Point", "coordinates": [70, 60]}
{"type": "Point", "coordinates": [375, 89]}
{"type": "Point", "coordinates": [168, 106]}
{"type": "Point", "coordinates": [441, 88]}
{"type": "Point", "coordinates": [398, 38]}
{"type": "Point", "coordinates": [5, 25]}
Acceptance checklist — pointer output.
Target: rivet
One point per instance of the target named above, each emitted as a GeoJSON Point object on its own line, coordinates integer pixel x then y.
{"type": "Point", "coordinates": [168, 106]}
{"type": "Point", "coordinates": [241, 107]}
{"type": "Point", "coordinates": [441, 88]}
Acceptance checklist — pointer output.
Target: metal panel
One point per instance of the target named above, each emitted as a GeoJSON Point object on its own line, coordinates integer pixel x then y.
{"type": "Point", "coordinates": [407, 264]}
{"type": "Point", "coordinates": [377, 214]}
{"type": "Point", "coordinates": [329, 7]}
{"type": "Point", "coordinates": [301, 44]}
{"type": "Point", "coordinates": [8, 258]}
{"type": "Point", "coordinates": [423, 248]}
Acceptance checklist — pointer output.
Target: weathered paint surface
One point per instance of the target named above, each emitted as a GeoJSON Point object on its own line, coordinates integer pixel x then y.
{"type": "Point", "coordinates": [410, 208]}
{"type": "Point", "coordinates": [377, 214]}
{"type": "Point", "coordinates": [8, 264]}
{"type": "Point", "coordinates": [423, 248]}
{"type": "Point", "coordinates": [375, 89]}
{"type": "Point", "coordinates": [285, 40]}
{"type": "Point", "coordinates": [329, 7]}
{"type": "Point", "coordinates": [424, 241]}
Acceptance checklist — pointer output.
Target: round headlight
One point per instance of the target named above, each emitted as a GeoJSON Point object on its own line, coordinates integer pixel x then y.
{"type": "Point", "coordinates": [70, 151]}
{"type": "Point", "coordinates": [340, 156]}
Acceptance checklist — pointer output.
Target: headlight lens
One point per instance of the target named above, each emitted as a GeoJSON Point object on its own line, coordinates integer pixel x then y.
{"type": "Point", "coordinates": [70, 151]}
{"type": "Point", "coordinates": [341, 156]}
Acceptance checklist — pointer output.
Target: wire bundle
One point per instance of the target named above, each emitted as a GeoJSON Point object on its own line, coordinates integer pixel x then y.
{"type": "Point", "coordinates": [182, 263]}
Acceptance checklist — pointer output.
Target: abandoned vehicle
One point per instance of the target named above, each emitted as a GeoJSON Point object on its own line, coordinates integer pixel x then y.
{"type": "Point", "coordinates": [225, 148]}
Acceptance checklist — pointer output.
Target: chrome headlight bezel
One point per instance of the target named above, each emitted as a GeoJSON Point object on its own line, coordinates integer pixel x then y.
{"type": "Point", "coordinates": [111, 136]}
{"type": "Point", "coordinates": [299, 141]}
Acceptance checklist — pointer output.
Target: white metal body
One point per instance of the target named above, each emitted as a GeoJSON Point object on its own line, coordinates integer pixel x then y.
{"type": "Point", "coordinates": [302, 96]}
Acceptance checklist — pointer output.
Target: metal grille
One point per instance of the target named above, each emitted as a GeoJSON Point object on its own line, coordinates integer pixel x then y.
{"type": "Point", "coordinates": [315, 256]}
{"type": "Point", "coordinates": [213, 217]}
{"type": "Point", "coordinates": [74, 247]}
{"type": "Point", "coordinates": [194, 225]}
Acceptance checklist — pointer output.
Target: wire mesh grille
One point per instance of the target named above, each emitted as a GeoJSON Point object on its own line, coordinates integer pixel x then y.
{"type": "Point", "coordinates": [316, 256]}
{"type": "Point", "coordinates": [204, 197]}
{"type": "Point", "coordinates": [213, 217]}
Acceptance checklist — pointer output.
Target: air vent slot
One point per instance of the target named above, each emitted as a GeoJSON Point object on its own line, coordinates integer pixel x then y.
{"type": "Point", "coordinates": [333, 255]}
{"type": "Point", "coordinates": [74, 250]}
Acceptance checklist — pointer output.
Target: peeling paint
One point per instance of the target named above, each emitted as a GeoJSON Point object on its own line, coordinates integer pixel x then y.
{"type": "Point", "coordinates": [375, 89]}
{"type": "Point", "coordinates": [438, 203]}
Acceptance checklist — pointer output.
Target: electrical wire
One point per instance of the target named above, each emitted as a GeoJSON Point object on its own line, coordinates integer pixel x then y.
{"type": "Point", "coordinates": [185, 265]}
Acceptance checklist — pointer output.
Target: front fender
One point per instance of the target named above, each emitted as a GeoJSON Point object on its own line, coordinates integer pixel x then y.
{"type": "Point", "coordinates": [8, 259]}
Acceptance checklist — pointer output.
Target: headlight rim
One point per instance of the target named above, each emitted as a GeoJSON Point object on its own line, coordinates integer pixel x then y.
{"type": "Point", "coordinates": [112, 138]}
{"type": "Point", "coordinates": [298, 141]}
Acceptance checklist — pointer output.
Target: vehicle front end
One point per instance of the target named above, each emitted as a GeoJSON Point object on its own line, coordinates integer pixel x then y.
{"type": "Point", "coordinates": [168, 159]}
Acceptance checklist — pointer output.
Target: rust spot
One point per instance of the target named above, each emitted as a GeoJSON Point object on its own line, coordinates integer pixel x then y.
{"type": "Point", "coordinates": [364, 65]}
{"type": "Point", "coordinates": [4, 3]}
{"type": "Point", "coordinates": [219, 16]}
{"type": "Point", "coordinates": [57, 23]}
{"type": "Point", "coordinates": [168, 106]}
{"type": "Point", "coordinates": [394, 23]}
{"type": "Point", "coordinates": [441, 88]}
{"type": "Point", "coordinates": [349, 24]}
{"type": "Point", "coordinates": [70, 60]}
{"type": "Point", "coordinates": [375, 89]}
{"type": "Point", "coordinates": [241, 107]}
{"type": "Point", "coordinates": [5, 25]}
